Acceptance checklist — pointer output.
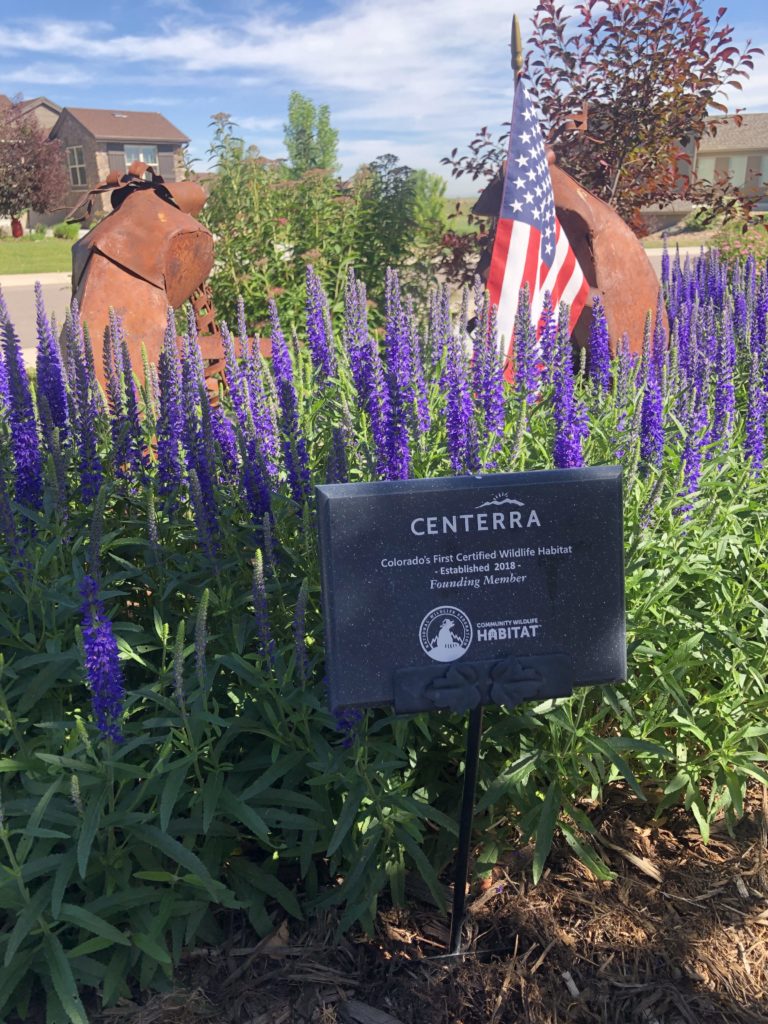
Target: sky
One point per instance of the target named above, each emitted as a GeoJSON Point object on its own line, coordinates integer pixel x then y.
{"type": "Point", "coordinates": [411, 77]}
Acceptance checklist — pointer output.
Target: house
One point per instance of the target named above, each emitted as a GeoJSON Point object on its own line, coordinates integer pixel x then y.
{"type": "Point", "coordinates": [99, 141]}
{"type": "Point", "coordinates": [44, 111]}
{"type": "Point", "coordinates": [738, 151]}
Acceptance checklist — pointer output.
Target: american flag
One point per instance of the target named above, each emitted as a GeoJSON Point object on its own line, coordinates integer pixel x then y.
{"type": "Point", "coordinates": [530, 246]}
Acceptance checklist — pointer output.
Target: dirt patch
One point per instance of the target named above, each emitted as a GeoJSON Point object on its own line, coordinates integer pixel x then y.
{"type": "Point", "coordinates": [679, 937]}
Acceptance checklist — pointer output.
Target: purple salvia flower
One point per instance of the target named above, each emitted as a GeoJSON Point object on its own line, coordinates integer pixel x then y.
{"type": "Point", "coordinates": [659, 343]}
{"type": "Point", "coordinates": [103, 671]}
{"type": "Point", "coordinates": [652, 421]}
{"type": "Point", "coordinates": [50, 371]}
{"type": "Point", "coordinates": [695, 437]}
{"type": "Point", "coordinates": [399, 383]}
{"type": "Point", "coordinates": [599, 349]}
{"type": "Point", "coordinates": [319, 334]}
{"type": "Point", "coordinates": [570, 419]}
{"type": "Point", "coordinates": [170, 419]}
{"type": "Point", "coordinates": [9, 536]}
{"type": "Point", "coordinates": [757, 406]}
{"type": "Point", "coordinates": [25, 443]}
{"type": "Point", "coordinates": [525, 349]}
{"type": "Point", "coordinates": [459, 419]}
{"type": "Point", "coordinates": [206, 528]}
{"type": "Point", "coordinates": [348, 722]}
{"type": "Point", "coordinates": [725, 395]}
{"type": "Point", "coordinates": [665, 275]}
{"type": "Point", "coordinates": [136, 456]}
{"type": "Point", "coordinates": [293, 442]}
{"type": "Point", "coordinates": [226, 442]}
{"type": "Point", "coordinates": [548, 336]}
{"type": "Point", "coordinates": [366, 368]}
{"type": "Point", "coordinates": [337, 470]}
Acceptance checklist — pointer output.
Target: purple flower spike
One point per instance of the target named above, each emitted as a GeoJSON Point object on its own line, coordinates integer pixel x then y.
{"type": "Point", "coordinates": [399, 383]}
{"type": "Point", "coordinates": [170, 423]}
{"type": "Point", "coordinates": [459, 418]}
{"type": "Point", "coordinates": [571, 423]}
{"type": "Point", "coordinates": [102, 664]}
{"type": "Point", "coordinates": [319, 334]}
{"type": "Point", "coordinates": [50, 371]}
{"type": "Point", "coordinates": [526, 349]}
{"type": "Point", "coordinates": [293, 442]}
{"type": "Point", "coordinates": [757, 406]}
{"type": "Point", "coordinates": [652, 422]}
{"type": "Point", "coordinates": [599, 350]}
{"type": "Point", "coordinates": [25, 444]}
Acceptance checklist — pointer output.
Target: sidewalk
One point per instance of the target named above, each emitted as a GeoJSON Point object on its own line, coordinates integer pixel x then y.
{"type": "Point", "coordinates": [19, 293]}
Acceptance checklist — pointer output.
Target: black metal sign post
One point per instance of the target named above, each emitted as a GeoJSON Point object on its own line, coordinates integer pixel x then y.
{"type": "Point", "coordinates": [459, 592]}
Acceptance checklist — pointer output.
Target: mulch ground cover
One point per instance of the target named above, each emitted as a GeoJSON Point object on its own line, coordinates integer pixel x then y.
{"type": "Point", "coordinates": [679, 937]}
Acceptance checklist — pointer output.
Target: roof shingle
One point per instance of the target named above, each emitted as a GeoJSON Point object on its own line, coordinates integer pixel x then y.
{"type": "Point", "coordinates": [750, 135]}
{"type": "Point", "coordinates": [127, 125]}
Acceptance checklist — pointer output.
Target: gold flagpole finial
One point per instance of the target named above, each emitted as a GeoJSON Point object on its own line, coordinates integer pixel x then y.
{"type": "Point", "coordinates": [516, 46]}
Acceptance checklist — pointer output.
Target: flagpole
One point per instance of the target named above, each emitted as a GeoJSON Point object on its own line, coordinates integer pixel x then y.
{"type": "Point", "coordinates": [516, 46]}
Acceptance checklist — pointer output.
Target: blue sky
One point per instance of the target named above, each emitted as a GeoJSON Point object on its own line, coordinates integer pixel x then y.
{"type": "Point", "coordinates": [410, 77]}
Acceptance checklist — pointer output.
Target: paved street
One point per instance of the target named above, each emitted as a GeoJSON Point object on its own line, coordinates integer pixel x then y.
{"type": "Point", "coordinates": [18, 290]}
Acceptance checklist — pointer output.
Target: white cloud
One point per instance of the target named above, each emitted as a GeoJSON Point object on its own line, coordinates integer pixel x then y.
{"type": "Point", "coordinates": [47, 74]}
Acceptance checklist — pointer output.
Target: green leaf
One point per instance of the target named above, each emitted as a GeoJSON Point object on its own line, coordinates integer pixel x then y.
{"type": "Point", "coordinates": [545, 829]}
{"type": "Point", "coordinates": [61, 880]}
{"type": "Point", "coordinates": [241, 812]}
{"type": "Point", "coordinates": [25, 922]}
{"type": "Point", "coordinates": [179, 854]}
{"type": "Point", "coordinates": [89, 828]}
{"type": "Point", "coordinates": [173, 784]}
{"type": "Point", "coordinates": [152, 948]}
{"type": "Point", "coordinates": [425, 869]}
{"type": "Point", "coordinates": [212, 788]}
{"type": "Point", "coordinates": [347, 817]}
{"type": "Point", "coordinates": [82, 918]}
{"type": "Point", "coordinates": [63, 980]}
{"type": "Point", "coordinates": [25, 844]}
{"type": "Point", "coordinates": [587, 855]}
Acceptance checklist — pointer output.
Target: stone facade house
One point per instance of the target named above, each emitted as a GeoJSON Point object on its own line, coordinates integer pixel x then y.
{"type": "Point", "coordinates": [99, 141]}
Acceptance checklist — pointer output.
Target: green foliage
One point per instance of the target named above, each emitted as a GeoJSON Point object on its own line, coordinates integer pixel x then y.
{"type": "Point", "coordinates": [269, 225]}
{"type": "Point", "coordinates": [310, 140]}
{"type": "Point", "coordinates": [233, 789]}
{"type": "Point", "coordinates": [66, 230]}
{"type": "Point", "coordinates": [741, 238]}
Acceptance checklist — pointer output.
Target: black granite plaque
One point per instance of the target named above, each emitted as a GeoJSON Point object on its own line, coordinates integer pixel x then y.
{"type": "Point", "coordinates": [456, 591]}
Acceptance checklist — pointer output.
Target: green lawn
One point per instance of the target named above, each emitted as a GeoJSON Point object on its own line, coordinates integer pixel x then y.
{"type": "Point", "coordinates": [459, 223]}
{"type": "Point", "coordinates": [30, 255]}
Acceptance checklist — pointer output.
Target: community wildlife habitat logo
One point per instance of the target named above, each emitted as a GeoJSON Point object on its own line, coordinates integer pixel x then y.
{"type": "Point", "coordinates": [445, 633]}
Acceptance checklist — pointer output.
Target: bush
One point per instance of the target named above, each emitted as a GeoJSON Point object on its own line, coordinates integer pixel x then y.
{"type": "Point", "coordinates": [167, 752]}
{"type": "Point", "coordinates": [66, 230]}
{"type": "Point", "coordinates": [741, 239]}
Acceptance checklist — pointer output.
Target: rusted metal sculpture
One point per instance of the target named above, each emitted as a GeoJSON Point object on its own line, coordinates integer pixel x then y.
{"type": "Point", "coordinates": [614, 262]}
{"type": "Point", "coordinates": [148, 254]}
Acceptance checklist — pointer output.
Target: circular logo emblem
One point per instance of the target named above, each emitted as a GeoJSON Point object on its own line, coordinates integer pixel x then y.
{"type": "Point", "coordinates": [445, 633]}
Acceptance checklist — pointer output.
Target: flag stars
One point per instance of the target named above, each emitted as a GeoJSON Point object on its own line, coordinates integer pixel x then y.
{"type": "Point", "coordinates": [519, 182]}
{"type": "Point", "coordinates": [522, 160]}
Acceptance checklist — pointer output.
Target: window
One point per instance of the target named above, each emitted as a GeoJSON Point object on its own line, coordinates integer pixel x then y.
{"type": "Point", "coordinates": [147, 155]}
{"type": "Point", "coordinates": [76, 167]}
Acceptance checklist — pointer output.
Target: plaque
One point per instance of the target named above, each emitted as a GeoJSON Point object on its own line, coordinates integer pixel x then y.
{"type": "Point", "coordinates": [458, 591]}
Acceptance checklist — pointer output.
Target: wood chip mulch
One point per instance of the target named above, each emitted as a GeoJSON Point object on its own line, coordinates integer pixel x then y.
{"type": "Point", "coordinates": [679, 937]}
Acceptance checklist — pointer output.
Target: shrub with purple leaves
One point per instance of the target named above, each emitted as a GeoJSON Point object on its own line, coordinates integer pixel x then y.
{"type": "Point", "coordinates": [198, 641]}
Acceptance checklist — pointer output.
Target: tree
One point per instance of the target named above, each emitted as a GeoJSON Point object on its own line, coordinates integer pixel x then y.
{"type": "Point", "coordinates": [646, 77]}
{"type": "Point", "coordinates": [32, 171]}
{"type": "Point", "coordinates": [387, 217]}
{"type": "Point", "coordinates": [309, 138]}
